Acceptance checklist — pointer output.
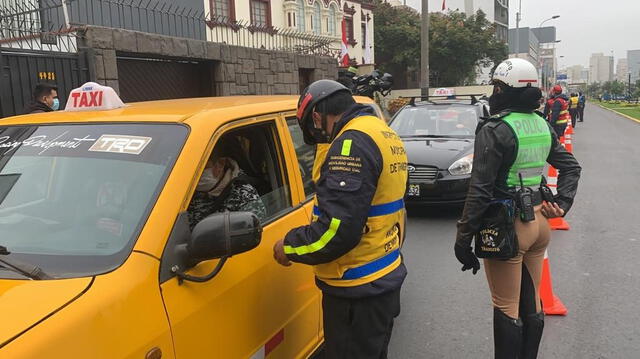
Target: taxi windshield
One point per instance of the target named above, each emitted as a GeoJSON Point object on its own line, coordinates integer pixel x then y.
{"type": "Point", "coordinates": [74, 198]}
{"type": "Point", "coordinates": [437, 120]}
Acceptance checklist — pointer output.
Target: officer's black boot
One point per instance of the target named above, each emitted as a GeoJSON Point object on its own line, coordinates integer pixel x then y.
{"type": "Point", "coordinates": [507, 335]}
{"type": "Point", "coordinates": [532, 326]}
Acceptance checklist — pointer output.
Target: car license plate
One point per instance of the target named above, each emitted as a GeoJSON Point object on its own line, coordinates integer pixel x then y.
{"type": "Point", "coordinates": [414, 190]}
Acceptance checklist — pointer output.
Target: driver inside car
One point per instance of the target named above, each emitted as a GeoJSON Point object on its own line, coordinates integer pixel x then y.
{"type": "Point", "coordinates": [466, 124]}
{"type": "Point", "coordinates": [223, 186]}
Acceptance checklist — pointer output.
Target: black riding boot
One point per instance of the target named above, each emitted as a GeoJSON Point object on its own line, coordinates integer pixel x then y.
{"type": "Point", "coordinates": [507, 335]}
{"type": "Point", "coordinates": [532, 333]}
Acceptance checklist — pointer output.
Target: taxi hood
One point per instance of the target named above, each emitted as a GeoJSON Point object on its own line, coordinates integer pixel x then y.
{"type": "Point", "coordinates": [27, 302]}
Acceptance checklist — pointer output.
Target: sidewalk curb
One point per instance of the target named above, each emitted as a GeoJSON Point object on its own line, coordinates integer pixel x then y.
{"type": "Point", "coordinates": [619, 113]}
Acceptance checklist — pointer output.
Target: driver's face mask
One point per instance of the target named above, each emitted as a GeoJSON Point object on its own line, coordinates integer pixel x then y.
{"type": "Point", "coordinates": [207, 181]}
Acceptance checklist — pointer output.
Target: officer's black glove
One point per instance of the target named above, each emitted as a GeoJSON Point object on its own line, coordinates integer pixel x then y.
{"type": "Point", "coordinates": [466, 257]}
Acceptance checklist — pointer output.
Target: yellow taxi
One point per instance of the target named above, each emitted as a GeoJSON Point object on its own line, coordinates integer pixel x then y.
{"type": "Point", "coordinates": [97, 255]}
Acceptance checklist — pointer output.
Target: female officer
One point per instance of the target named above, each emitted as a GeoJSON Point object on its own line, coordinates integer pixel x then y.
{"type": "Point", "coordinates": [511, 149]}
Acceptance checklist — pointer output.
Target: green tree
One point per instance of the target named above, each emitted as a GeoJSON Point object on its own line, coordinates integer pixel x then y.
{"type": "Point", "coordinates": [397, 34]}
{"type": "Point", "coordinates": [457, 44]}
{"type": "Point", "coordinates": [594, 90]}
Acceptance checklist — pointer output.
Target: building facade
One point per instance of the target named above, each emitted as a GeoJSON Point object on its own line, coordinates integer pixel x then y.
{"type": "Point", "coordinates": [289, 21]}
{"type": "Point", "coordinates": [633, 60]}
{"type": "Point", "coordinates": [600, 68]}
{"type": "Point", "coordinates": [622, 70]}
{"type": "Point", "coordinates": [147, 53]}
{"type": "Point", "coordinates": [577, 74]}
{"type": "Point", "coordinates": [528, 46]}
{"type": "Point", "coordinates": [497, 12]}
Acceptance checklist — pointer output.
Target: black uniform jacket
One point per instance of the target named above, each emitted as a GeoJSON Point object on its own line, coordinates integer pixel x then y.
{"type": "Point", "coordinates": [495, 153]}
{"type": "Point", "coordinates": [350, 205]}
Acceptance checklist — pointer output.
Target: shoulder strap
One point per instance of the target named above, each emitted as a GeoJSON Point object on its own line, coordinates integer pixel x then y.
{"type": "Point", "coordinates": [494, 120]}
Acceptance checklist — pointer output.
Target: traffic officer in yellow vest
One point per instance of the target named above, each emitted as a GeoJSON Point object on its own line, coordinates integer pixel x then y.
{"type": "Point", "coordinates": [556, 110]}
{"type": "Point", "coordinates": [510, 153]}
{"type": "Point", "coordinates": [354, 239]}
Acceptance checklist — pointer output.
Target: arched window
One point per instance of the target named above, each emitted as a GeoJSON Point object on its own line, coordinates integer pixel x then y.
{"type": "Point", "coordinates": [332, 20]}
{"type": "Point", "coordinates": [300, 20]}
{"type": "Point", "coordinates": [317, 18]}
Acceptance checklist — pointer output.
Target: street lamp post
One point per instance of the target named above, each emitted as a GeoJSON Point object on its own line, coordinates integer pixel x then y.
{"type": "Point", "coordinates": [518, 17]}
{"type": "Point", "coordinates": [551, 18]}
{"type": "Point", "coordinates": [542, 64]}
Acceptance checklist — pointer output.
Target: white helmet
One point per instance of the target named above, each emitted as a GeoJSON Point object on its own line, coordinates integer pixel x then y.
{"type": "Point", "coordinates": [516, 73]}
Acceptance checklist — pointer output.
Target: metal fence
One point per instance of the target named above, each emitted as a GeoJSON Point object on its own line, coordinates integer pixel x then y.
{"type": "Point", "coordinates": [44, 25]}
{"type": "Point", "coordinates": [36, 25]}
{"type": "Point", "coordinates": [152, 16]}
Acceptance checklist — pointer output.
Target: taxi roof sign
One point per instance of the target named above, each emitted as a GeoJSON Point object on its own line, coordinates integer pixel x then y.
{"type": "Point", "coordinates": [93, 97]}
{"type": "Point", "coordinates": [444, 92]}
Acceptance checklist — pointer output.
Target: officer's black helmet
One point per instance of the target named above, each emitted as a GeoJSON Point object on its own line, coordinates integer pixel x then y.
{"type": "Point", "coordinates": [310, 97]}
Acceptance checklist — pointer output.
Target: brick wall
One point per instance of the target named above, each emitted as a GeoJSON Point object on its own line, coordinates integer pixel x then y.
{"type": "Point", "coordinates": [237, 70]}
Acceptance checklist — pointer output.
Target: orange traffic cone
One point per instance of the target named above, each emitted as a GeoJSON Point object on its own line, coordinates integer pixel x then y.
{"type": "Point", "coordinates": [567, 139]}
{"type": "Point", "coordinates": [557, 223]}
{"type": "Point", "coordinates": [551, 304]}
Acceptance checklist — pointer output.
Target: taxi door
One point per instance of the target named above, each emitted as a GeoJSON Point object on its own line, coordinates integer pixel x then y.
{"type": "Point", "coordinates": [254, 307]}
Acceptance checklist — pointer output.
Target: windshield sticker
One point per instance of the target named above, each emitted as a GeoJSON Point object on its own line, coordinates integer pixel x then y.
{"type": "Point", "coordinates": [43, 142]}
{"type": "Point", "coordinates": [133, 145]}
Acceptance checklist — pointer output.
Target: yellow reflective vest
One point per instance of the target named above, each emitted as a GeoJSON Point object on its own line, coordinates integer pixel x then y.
{"type": "Point", "coordinates": [378, 252]}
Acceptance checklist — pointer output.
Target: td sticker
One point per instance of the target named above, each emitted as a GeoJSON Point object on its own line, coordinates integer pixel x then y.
{"type": "Point", "coordinates": [121, 144]}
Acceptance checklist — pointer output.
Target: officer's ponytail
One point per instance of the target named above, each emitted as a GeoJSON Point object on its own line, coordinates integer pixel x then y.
{"type": "Point", "coordinates": [529, 98]}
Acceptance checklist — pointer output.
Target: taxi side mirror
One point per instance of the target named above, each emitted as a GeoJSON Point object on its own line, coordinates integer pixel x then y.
{"type": "Point", "coordinates": [224, 235]}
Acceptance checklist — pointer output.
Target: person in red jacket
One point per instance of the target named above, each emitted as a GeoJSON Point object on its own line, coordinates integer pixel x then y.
{"type": "Point", "coordinates": [556, 110]}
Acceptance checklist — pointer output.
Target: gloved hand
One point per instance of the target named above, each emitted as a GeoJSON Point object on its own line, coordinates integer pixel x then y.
{"type": "Point", "coordinates": [466, 257]}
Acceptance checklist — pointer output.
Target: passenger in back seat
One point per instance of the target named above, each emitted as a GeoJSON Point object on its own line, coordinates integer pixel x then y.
{"type": "Point", "coordinates": [223, 186]}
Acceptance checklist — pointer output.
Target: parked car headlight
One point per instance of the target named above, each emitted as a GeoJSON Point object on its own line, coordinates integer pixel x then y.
{"type": "Point", "coordinates": [462, 166]}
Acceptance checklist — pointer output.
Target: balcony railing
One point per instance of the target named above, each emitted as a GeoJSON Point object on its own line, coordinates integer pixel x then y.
{"type": "Point", "coordinates": [243, 33]}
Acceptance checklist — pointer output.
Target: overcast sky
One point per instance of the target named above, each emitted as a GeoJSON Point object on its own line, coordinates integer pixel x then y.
{"type": "Point", "coordinates": [584, 26]}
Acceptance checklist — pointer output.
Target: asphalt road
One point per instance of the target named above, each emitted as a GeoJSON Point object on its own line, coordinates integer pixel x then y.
{"type": "Point", "coordinates": [447, 313]}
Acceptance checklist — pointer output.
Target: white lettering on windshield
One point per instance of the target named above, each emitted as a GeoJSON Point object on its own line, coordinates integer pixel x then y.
{"type": "Point", "coordinates": [121, 144]}
{"type": "Point", "coordinates": [43, 142]}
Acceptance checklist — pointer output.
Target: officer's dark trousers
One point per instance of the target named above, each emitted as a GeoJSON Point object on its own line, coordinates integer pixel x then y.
{"type": "Point", "coordinates": [574, 116]}
{"type": "Point", "coordinates": [560, 129]}
{"type": "Point", "coordinates": [581, 113]}
{"type": "Point", "coordinates": [359, 328]}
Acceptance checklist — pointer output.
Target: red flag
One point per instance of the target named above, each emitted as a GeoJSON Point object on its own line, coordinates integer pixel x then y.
{"type": "Point", "coordinates": [444, 6]}
{"type": "Point", "coordinates": [344, 54]}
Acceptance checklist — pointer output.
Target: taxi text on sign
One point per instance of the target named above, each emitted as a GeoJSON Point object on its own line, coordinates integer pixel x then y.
{"type": "Point", "coordinates": [93, 97]}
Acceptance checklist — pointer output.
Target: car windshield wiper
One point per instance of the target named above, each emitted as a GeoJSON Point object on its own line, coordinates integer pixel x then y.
{"type": "Point", "coordinates": [27, 270]}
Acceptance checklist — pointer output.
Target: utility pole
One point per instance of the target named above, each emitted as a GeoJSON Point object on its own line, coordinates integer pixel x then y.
{"type": "Point", "coordinates": [629, 86]}
{"type": "Point", "coordinates": [518, 17]}
{"type": "Point", "coordinates": [424, 50]}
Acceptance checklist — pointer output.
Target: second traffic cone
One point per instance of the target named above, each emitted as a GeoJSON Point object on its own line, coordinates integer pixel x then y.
{"type": "Point", "coordinates": [557, 223]}
{"type": "Point", "coordinates": [551, 304]}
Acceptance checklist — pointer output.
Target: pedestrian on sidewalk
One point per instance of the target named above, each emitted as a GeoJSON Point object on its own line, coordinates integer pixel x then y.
{"type": "Point", "coordinates": [556, 110]}
{"type": "Point", "coordinates": [45, 99]}
{"type": "Point", "coordinates": [358, 226]}
{"type": "Point", "coordinates": [511, 150]}
{"type": "Point", "coordinates": [582, 101]}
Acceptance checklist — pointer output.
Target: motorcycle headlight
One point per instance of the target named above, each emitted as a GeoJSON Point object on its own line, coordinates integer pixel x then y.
{"type": "Point", "coordinates": [462, 166]}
